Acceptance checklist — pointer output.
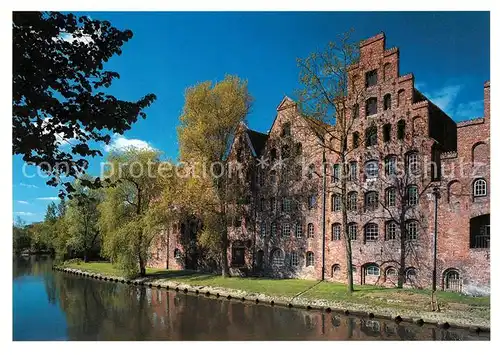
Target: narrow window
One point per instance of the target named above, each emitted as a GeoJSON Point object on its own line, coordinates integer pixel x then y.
{"type": "Point", "coordinates": [273, 154]}
{"type": "Point", "coordinates": [335, 173]}
{"type": "Point", "coordinates": [298, 230]}
{"type": "Point", "coordinates": [310, 230]}
{"type": "Point", "coordinates": [298, 148]}
{"type": "Point", "coordinates": [285, 152]}
{"type": "Point", "coordinates": [298, 172]}
{"type": "Point", "coordinates": [480, 188]}
{"type": "Point", "coordinates": [278, 258]}
{"type": "Point", "coordinates": [390, 197]}
{"type": "Point", "coordinates": [371, 78]}
{"type": "Point", "coordinates": [387, 132]}
{"type": "Point", "coordinates": [273, 230]}
{"type": "Point", "coordinates": [355, 111]}
{"type": "Point", "coordinates": [239, 155]}
{"type": "Point", "coordinates": [390, 165]}
{"type": "Point", "coordinates": [352, 231]}
{"type": "Point", "coordinates": [355, 140]}
{"type": "Point", "coordinates": [412, 164]}
{"type": "Point", "coordinates": [285, 230]}
{"type": "Point", "coordinates": [371, 232]}
{"type": "Point", "coordinates": [287, 205]}
{"type": "Point", "coordinates": [263, 229]}
{"type": "Point", "coordinates": [352, 201]}
{"type": "Point", "coordinates": [286, 129]}
{"type": "Point", "coordinates": [272, 204]}
{"type": "Point", "coordinates": [371, 106]}
{"type": "Point", "coordinates": [272, 177]}
{"type": "Point", "coordinates": [353, 171]}
{"type": "Point", "coordinates": [412, 195]}
{"type": "Point", "coordinates": [401, 129]}
{"type": "Point", "coordinates": [294, 259]}
{"type": "Point", "coordinates": [371, 136]}
{"type": "Point", "coordinates": [391, 228]}
{"type": "Point", "coordinates": [311, 201]}
{"type": "Point", "coordinates": [412, 230]}
{"type": "Point", "coordinates": [387, 102]}
{"type": "Point", "coordinates": [262, 204]}
{"type": "Point", "coordinates": [401, 97]}
{"type": "Point", "coordinates": [336, 203]}
{"type": "Point", "coordinates": [411, 275]}
{"type": "Point", "coordinates": [371, 169]}
{"type": "Point", "coordinates": [335, 269]}
{"type": "Point", "coordinates": [371, 201]}
{"type": "Point", "coordinates": [310, 171]}
{"type": "Point", "coordinates": [177, 254]}
{"type": "Point", "coordinates": [309, 258]}
{"type": "Point", "coordinates": [336, 231]}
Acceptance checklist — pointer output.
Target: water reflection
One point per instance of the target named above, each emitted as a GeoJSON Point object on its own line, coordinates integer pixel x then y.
{"type": "Point", "coordinates": [98, 310]}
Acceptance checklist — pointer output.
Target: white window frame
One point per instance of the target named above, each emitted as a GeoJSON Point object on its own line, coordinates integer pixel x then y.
{"type": "Point", "coordinates": [372, 270]}
{"type": "Point", "coordinates": [309, 258]}
{"type": "Point", "coordinates": [371, 169]}
{"type": "Point", "coordinates": [369, 206]}
{"type": "Point", "coordinates": [263, 229]}
{"type": "Point", "coordinates": [353, 171]}
{"type": "Point", "coordinates": [285, 228]}
{"type": "Point", "coordinates": [480, 188]}
{"type": "Point", "coordinates": [391, 162]}
{"type": "Point", "coordinates": [336, 231]}
{"type": "Point", "coordinates": [390, 194]}
{"type": "Point", "coordinates": [310, 230]}
{"type": "Point", "coordinates": [412, 195]}
{"type": "Point", "coordinates": [352, 201]}
{"type": "Point", "coordinates": [413, 167]}
{"type": "Point", "coordinates": [294, 259]}
{"type": "Point", "coordinates": [278, 262]}
{"type": "Point", "coordinates": [287, 205]}
{"type": "Point", "coordinates": [371, 232]}
{"type": "Point", "coordinates": [391, 230]}
{"type": "Point", "coordinates": [336, 202]}
{"type": "Point", "coordinates": [352, 231]}
{"type": "Point", "coordinates": [412, 230]}
{"type": "Point", "coordinates": [274, 230]}
{"type": "Point", "coordinates": [298, 230]}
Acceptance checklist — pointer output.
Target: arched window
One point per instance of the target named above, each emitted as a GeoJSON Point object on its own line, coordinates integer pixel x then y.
{"type": "Point", "coordinates": [311, 201]}
{"type": "Point", "coordinates": [390, 197]}
{"type": "Point", "coordinates": [335, 269]}
{"type": "Point", "coordinates": [263, 230]}
{"type": "Point", "coordinates": [452, 280]}
{"type": "Point", "coordinates": [273, 230]}
{"type": "Point", "coordinates": [310, 230]}
{"type": "Point", "coordinates": [412, 195]}
{"type": "Point", "coordinates": [298, 230]}
{"type": "Point", "coordinates": [401, 97]}
{"type": "Point", "coordinates": [480, 153]}
{"type": "Point", "coordinates": [480, 231]}
{"type": "Point", "coordinates": [371, 136]}
{"type": "Point", "coordinates": [391, 272]}
{"type": "Point", "coordinates": [355, 139]}
{"type": "Point", "coordinates": [401, 129]}
{"type": "Point", "coordinates": [412, 164]}
{"type": "Point", "coordinates": [371, 78]}
{"type": "Point", "coordinates": [480, 188]}
{"type": "Point", "coordinates": [386, 132]}
{"type": "Point", "coordinates": [277, 258]}
{"type": "Point", "coordinates": [371, 169]}
{"type": "Point", "coordinates": [391, 230]}
{"type": "Point", "coordinates": [390, 165]}
{"type": "Point", "coordinates": [285, 230]}
{"type": "Point", "coordinates": [336, 231]}
{"type": "Point", "coordinates": [372, 270]}
{"type": "Point", "coordinates": [336, 203]}
{"type": "Point", "coordinates": [412, 230]}
{"type": "Point", "coordinates": [352, 201]}
{"type": "Point", "coordinates": [371, 201]}
{"type": "Point", "coordinates": [177, 254]}
{"type": "Point", "coordinates": [371, 106]}
{"type": "Point", "coordinates": [294, 259]}
{"type": "Point", "coordinates": [387, 102]}
{"type": "Point", "coordinates": [411, 274]}
{"type": "Point", "coordinates": [371, 232]}
{"type": "Point", "coordinates": [309, 258]}
{"type": "Point", "coordinates": [335, 173]}
{"type": "Point", "coordinates": [352, 231]}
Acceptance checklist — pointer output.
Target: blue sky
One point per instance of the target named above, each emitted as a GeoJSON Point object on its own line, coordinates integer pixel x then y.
{"type": "Point", "coordinates": [448, 52]}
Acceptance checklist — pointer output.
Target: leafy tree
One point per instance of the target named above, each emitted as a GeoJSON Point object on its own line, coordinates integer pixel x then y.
{"type": "Point", "coordinates": [127, 220]}
{"type": "Point", "coordinates": [59, 90]}
{"type": "Point", "coordinates": [211, 115]}
{"type": "Point", "coordinates": [20, 235]}
{"type": "Point", "coordinates": [326, 100]}
{"type": "Point", "coordinates": [81, 218]}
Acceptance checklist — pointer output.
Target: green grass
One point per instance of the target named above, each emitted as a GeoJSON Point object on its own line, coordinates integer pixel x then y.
{"type": "Point", "coordinates": [403, 299]}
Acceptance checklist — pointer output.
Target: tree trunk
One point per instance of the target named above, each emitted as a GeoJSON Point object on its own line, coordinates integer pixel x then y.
{"type": "Point", "coordinates": [85, 256]}
{"type": "Point", "coordinates": [142, 266]}
{"type": "Point", "coordinates": [402, 257]}
{"type": "Point", "coordinates": [347, 240]}
{"type": "Point", "coordinates": [224, 244]}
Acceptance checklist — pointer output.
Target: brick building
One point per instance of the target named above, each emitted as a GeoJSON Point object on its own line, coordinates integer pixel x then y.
{"type": "Point", "coordinates": [403, 150]}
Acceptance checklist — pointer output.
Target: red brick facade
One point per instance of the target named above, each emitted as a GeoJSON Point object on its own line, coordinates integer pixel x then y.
{"type": "Point", "coordinates": [281, 229]}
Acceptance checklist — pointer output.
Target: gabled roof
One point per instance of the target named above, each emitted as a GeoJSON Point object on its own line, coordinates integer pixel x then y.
{"type": "Point", "coordinates": [257, 140]}
{"type": "Point", "coordinates": [285, 103]}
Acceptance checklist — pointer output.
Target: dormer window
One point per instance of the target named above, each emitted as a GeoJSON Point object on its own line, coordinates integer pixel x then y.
{"type": "Point", "coordinates": [371, 78]}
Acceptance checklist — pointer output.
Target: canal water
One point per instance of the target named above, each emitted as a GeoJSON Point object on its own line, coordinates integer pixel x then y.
{"type": "Point", "coordinates": [51, 305]}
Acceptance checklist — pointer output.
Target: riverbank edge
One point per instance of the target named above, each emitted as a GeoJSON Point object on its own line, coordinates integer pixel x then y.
{"type": "Point", "coordinates": [407, 316]}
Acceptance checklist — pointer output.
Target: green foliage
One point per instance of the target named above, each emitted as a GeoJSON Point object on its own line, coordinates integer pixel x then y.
{"type": "Point", "coordinates": [60, 90]}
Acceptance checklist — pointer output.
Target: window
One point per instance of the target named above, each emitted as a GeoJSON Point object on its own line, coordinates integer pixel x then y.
{"type": "Point", "coordinates": [177, 254]}
{"type": "Point", "coordinates": [386, 131]}
{"type": "Point", "coordinates": [273, 154]}
{"type": "Point", "coordinates": [372, 270]}
{"type": "Point", "coordinates": [336, 231]}
{"type": "Point", "coordinates": [310, 171]}
{"type": "Point", "coordinates": [401, 97]}
{"type": "Point", "coordinates": [272, 204]}
{"type": "Point", "coordinates": [285, 151]}
{"type": "Point", "coordinates": [391, 230]}
{"type": "Point", "coordinates": [309, 258]}
{"type": "Point", "coordinates": [237, 222]}
{"type": "Point", "coordinates": [285, 229]}
{"type": "Point", "coordinates": [352, 231]}
{"type": "Point", "coordinates": [371, 106]}
{"type": "Point", "coordinates": [298, 149]}
{"type": "Point", "coordinates": [310, 230]}
{"type": "Point", "coordinates": [371, 78]}
{"type": "Point", "coordinates": [294, 259]}
{"type": "Point", "coordinates": [412, 163]}
{"type": "Point", "coordinates": [298, 230]}
{"type": "Point", "coordinates": [412, 195]}
{"type": "Point", "coordinates": [273, 230]}
{"type": "Point", "coordinates": [390, 165]}
{"type": "Point", "coordinates": [480, 231]}
{"type": "Point", "coordinates": [355, 111]}
{"type": "Point", "coordinates": [371, 201]}
{"type": "Point", "coordinates": [387, 102]}
{"type": "Point", "coordinates": [263, 230]}
{"type": "Point", "coordinates": [277, 258]}
{"type": "Point", "coordinates": [287, 205]}
{"type": "Point", "coordinates": [411, 274]}
{"type": "Point", "coordinates": [480, 188]}
{"type": "Point", "coordinates": [311, 201]}
{"type": "Point", "coordinates": [262, 206]}
{"type": "Point", "coordinates": [286, 129]}
{"type": "Point", "coordinates": [352, 201]}
{"type": "Point", "coordinates": [401, 129]}
{"type": "Point", "coordinates": [452, 280]}
{"type": "Point", "coordinates": [371, 232]}
{"type": "Point", "coordinates": [391, 272]}
{"type": "Point", "coordinates": [336, 203]}
{"type": "Point", "coordinates": [371, 169]}
{"type": "Point", "coordinates": [335, 269]}
{"type": "Point", "coordinates": [272, 177]}
{"type": "Point", "coordinates": [355, 140]}
{"type": "Point", "coordinates": [390, 197]}
{"type": "Point", "coordinates": [371, 136]}
{"type": "Point", "coordinates": [335, 173]}
{"type": "Point", "coordinates": [412, 230]}
{"type": "Point", "coordinates": [353, 171]}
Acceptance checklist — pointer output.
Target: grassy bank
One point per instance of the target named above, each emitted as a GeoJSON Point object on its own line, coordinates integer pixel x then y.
{"type": "Point", "coordinates": [456, 307]}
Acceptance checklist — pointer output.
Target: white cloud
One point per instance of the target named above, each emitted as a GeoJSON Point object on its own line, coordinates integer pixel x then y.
{"type": "Point", "coordinates": [119, 142]}
{"type": "Point", "coordinates": [469, 110]}
{"type": "Point", "coordinates": [29, 186]}
{"type": "Point", "coordinates": [25, 213]}
{"type": "Point", "coordinates": [445, 97]}
{"type": "Point", "coordinates": [48, 198]}
{"type": "Point", "coordinates": [23, 202]}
